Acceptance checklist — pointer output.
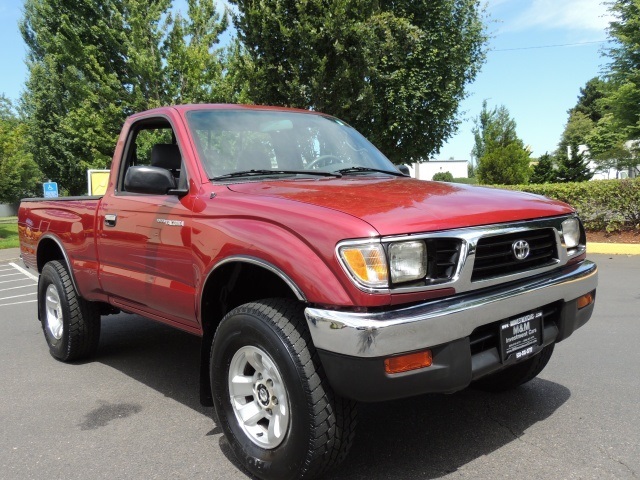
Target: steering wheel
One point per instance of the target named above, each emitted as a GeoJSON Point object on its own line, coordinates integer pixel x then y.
{"type": "Point", "coordinates": [323, 161]}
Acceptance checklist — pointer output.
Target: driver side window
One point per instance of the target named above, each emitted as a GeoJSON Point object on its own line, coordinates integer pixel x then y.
{"type": "Point", "coordinates": [153, 143]}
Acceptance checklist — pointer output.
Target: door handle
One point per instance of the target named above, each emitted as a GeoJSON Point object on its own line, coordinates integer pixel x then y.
{"type": "Point", "coordinates": [110, 220]}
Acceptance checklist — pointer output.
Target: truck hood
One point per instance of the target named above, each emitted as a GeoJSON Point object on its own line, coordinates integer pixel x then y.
{"type": "Point", "coordinates": [395, 206]}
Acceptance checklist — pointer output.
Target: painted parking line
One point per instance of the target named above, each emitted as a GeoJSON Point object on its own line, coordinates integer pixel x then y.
{"type": "Point", "coordinates": [24, 271]}
{"type": "Point", "coordinates": [16, 288]}
{"type": "Point", "coordinates": [11, 275]}
{"type": "Point", "coordinates": [17, 303]}
{"type": "Point", "coordinates": [16, 280]}
{"type": "Point", "coordinates": [10, 282]}
{"type": "Point", "coordinates": [17, 296]}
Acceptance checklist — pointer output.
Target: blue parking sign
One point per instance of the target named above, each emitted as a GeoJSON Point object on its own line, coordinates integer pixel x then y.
{"type": "Point", "coordinates": [50, 189]}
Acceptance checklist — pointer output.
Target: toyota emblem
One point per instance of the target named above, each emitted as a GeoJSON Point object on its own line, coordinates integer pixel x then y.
{"type": "Point", "coordinates": [520, 249]}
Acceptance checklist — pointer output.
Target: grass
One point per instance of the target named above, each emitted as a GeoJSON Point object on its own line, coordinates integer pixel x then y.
{"type": "Point", "coordinates": [8, 233]}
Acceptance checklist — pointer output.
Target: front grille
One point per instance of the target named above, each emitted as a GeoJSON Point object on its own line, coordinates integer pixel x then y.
{"type": "Point", "coordinates": [494, 255]}
{"type": "Point", "coordinates": [444, 254]}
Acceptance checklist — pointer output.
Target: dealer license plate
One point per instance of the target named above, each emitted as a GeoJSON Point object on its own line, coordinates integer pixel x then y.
{"type": "Point", "coordinates": [521, 335]}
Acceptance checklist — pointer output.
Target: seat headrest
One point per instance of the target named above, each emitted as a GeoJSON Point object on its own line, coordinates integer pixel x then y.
{"type": "Point", "coordinates": [166, 155]}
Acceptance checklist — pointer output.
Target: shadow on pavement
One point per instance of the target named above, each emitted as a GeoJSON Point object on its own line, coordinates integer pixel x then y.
{"type": "Point", "coordinates": [161, 357]}
{"type": "Point", "coordinates": [433, 435]}
{"type": "Point", "coordinates": [418, 438]}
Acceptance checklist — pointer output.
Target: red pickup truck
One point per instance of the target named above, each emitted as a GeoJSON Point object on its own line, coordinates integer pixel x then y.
{"type": "Point", "coordinates": [317, 274]}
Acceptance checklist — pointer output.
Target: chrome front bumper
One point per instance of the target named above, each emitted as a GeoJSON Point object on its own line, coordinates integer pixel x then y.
{"type": "Point", "coordinates": [369, 335]}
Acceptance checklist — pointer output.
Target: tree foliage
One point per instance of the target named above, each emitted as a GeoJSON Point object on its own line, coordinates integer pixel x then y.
{"type": "Point", "coordinates": [505, 165]}
{"type": "Point", "coordinates": [19, 175]}
{"type": "Point", "coordinates": [195, 72]}
{"type": "Point", "coordinates": [502, 158]}
{"type": "Point", "coordinates": [573, 166]}
{"type": "Point", "coordinates": [612, 103]}
{"type": "Point", "coordinates": [394, 70]}
{"type": "Point", "coordinates": [624, 73]}
{"type": "Point", "coordinates": [577, 131]}
{"type": "Point", "coordinates": [544, 171]}
{"type": "Point", "coordinates": [493, 128]}
{"type": "Point", "coordinates": [590, 100]}
{"type": "Point", "coordinates": [94, 62]}
{"type": "Point", "coordinates": [607, 114]}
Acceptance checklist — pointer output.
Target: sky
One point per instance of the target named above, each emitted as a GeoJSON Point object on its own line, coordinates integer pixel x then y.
{"type": "Point", "coordinates": [537, 85]}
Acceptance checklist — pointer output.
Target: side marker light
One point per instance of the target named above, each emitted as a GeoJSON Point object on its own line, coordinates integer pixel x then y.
{"type": "Point", "coordinates": [405, 363]}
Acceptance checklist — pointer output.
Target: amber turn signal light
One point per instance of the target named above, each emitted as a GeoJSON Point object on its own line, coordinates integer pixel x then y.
{"type": "Point", "coordinates": [405, 363]}
{"type": "Point", "coordinates": [585, 300]}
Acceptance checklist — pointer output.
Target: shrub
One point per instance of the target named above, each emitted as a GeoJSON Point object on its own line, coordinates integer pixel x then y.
{"type": "Point", "coordinates": [443, 177]}
{"type": "Point", "coordinates": [609, 205]}
{"type": "Point", "coordinates": [467, 181]}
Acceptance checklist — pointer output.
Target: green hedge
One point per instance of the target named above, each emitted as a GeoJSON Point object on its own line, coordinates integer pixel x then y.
{"type": "Point", "coordinates": [468, 181]}
{"type": "Point", "coordinates": [610, 205]}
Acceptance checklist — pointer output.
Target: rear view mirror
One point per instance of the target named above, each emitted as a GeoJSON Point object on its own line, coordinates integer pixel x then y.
{"type": "Point", "coordinates": [150, 180]}
{"type": "Point", "coordinates": [404, 169]}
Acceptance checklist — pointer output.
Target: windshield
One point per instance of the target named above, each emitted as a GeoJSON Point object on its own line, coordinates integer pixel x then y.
{"type": "Point", "coordinates": [232, 141]}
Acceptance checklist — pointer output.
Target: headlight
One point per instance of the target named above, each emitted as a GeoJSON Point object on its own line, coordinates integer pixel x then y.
{"type": "Point", "coordinates": [407, 261]}
{"type": "Point", "coordinates": [571, 232]}
{"type": "Point", "coordinates": [367, 263]}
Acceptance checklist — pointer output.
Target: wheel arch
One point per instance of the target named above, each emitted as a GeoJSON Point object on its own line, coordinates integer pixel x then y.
{"type": "Point", "coordinates": [50, 248]}
{"type": "Point", "coordinates": [232, 282]}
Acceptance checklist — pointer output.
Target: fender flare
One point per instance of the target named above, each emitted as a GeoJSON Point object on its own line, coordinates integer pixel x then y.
{"type": "Point", "coordinates": [65, 257]}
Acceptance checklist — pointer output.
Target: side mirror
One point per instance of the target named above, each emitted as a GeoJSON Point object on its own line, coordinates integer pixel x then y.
{"type": "Point", "coordinates": [150, 180]}
{"type": "Point", "coordinates": [404, 169]}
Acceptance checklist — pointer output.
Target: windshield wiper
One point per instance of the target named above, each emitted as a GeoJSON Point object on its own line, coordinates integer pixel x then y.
{"type": "Point", "coordinates": [258, 172]}
{"type": "Point", "coordinates": [346, 171]}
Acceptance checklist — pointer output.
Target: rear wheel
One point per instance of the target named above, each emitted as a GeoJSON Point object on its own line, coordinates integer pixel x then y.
{"type": "Point", "coordinates": [272, 399]}
{"type": "Point", "coordinates": [71, 325]}
{"type": "Point", "coordinates": [515, 375]}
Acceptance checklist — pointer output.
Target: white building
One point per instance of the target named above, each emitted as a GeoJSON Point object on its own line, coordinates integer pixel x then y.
{"type": "Point", "coordinates": [611, 173]}
{"type": "Point", "coordinates": [426, 170]}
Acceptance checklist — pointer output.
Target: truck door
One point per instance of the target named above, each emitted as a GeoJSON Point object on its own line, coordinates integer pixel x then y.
{"type": "Point", "coordinates": [144, 244]}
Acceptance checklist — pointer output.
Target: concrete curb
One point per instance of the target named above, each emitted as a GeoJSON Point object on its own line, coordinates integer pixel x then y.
{"type": "Point", "coordinates": [614, 248]}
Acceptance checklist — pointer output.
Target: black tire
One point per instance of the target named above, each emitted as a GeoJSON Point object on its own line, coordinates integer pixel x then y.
{"type": "Point", "coordinates": [72, 329]}
{"type": "Point", "coordinates": [515, 375]}
{"type": "Point", "coordinates": [321, 425]}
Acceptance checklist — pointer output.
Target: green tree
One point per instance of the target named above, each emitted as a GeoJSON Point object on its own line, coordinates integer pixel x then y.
{"type": "Point", "coordinates": [194, 58]}
{"type": "Point", "coordinates": [577, 131]}
{"type": "Point", "coordinates": [543, 172]}
{"type": "Point", "coordinates": [590, 99]}
{"type": "Point", "coordinates": [624, 73]}
{"type": "Point", "coordinates": [505, 166]}
{"type": "Point", "coordinates": [394, 70]}
{"type": "Point", "coordinates": [493, 128]}
{"type": "Point", "coordinates": [75, 97]}
{"type": "Point", "coordinates": [143, 77]}
{"type": "Point", "coordinates": [573, 166]}
{"type": "Point", "coordinates": [94, 62]}
{"type": "Point", "coordinates": [19, 175]}
{"type": "Point", "coordinates": [501, 155]}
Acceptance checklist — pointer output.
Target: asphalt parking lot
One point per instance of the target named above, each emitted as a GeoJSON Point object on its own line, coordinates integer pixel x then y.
{"type": "Point", "coordinates": [133, 412]}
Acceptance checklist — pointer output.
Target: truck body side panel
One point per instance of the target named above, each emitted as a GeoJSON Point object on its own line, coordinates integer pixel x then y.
{"type": "Point", "coordinates": [146, 261]}
{"type": "Point", "coordinates": [71, 224]}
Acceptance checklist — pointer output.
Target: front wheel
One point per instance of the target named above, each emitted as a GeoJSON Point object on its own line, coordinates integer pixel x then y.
{"type": "Point", "coordinates": [515, 375]}
{"type": "Point", "coordinates": [71, 325]}
{"type": "Point", "coordinates": [271, 396]}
